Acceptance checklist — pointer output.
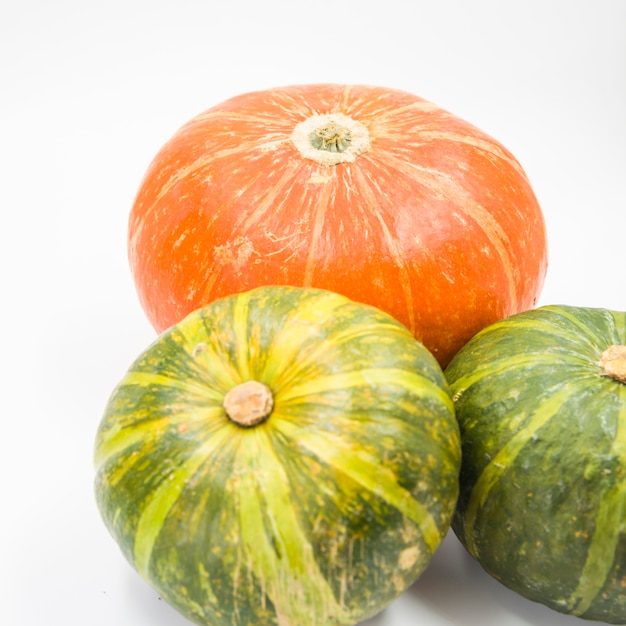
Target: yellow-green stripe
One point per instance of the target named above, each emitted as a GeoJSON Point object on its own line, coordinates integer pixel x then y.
{"type": "Point", "coordinates": [165, 496]}
{"type": "Point", "coordinates": [608, 526]}
{"type": "Point", "coordinates": [499, 464]}
{"type": "Point", "coordinates": [507, 364]}
{"type": "Point", "coordinates": [414, 384]}
{"type": "Point", "coordinates": [369, 472]}
{"type": "Point", "coordinates": [280, 552]}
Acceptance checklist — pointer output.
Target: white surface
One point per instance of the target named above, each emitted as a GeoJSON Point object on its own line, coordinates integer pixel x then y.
{"type": "Point", "coordinates": [89, 91]}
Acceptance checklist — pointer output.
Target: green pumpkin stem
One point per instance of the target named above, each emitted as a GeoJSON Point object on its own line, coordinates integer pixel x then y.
{"type": "Point", "coordinates": [249, 403]}
{"type": "Point", "coordinates": [330, 138]}
{"type": "Point", "coordinates": [333, 137]}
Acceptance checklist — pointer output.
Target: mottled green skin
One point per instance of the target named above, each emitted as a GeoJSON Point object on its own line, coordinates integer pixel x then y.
{"type": "Point", "coordinates": [542, 504]}
{"type": "Point", "coordinates": [321, 515]}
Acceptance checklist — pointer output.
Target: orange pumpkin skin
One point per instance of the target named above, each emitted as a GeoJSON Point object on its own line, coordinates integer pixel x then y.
{"type": "Point", "coordinates": [432, 221]}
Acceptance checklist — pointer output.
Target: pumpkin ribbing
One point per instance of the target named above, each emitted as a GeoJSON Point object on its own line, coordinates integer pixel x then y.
{"type": "Point", "coordinates": [542, 502]}
{"type": "Point", "coordinates": [321, 514]}
{"type": "Point", "coordinates": [419, 213]}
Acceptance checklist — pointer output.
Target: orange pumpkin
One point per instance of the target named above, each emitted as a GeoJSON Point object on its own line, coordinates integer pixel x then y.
{"type": "Point", "coordinates": [370, 192]}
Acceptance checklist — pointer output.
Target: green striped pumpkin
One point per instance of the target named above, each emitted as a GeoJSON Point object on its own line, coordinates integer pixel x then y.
{"type": "Point", "coordinates": [541, 402]}
{"type": "Point", "coordinates": [322, 512]}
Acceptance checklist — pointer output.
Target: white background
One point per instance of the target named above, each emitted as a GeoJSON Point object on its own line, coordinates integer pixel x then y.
{"type": "Point", "coordinates": [90, 91]}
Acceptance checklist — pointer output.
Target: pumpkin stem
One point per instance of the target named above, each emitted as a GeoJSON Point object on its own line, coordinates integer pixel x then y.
{"type": "Point", "coordinates": [249, 403]}
{"type": "Point", "coordinates": [613, 362]}
{"type": "Point", "coordinates": [330, 139]}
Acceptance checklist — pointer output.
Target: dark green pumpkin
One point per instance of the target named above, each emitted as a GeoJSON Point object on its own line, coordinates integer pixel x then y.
{"type": "Point", "coordinates": [322, 512]}
{"type": "Point", "coordinates": [541, 402]}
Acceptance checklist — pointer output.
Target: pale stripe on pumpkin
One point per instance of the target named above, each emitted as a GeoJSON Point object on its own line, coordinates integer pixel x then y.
{"type": "Point", "coordinates": [547, 406]}
{"type": "Point", "coordinates": [365, 182]}
{"type": "Point", "coordinates": [165, 496]}
{"type": "Point", "coordinates": [442, 184]}
{"type": "Point", "coordinates": [416, 385]}
{"type": "Point", "coordinates": [117, 441]}
{"type": "Point", "coordinates": [242, 150]}
{"type": "Point", "coordinates": [386, 117]}
{"type": "Point", "coordinates": [295, 359]}
{"type": "Point", "coordinates": [279, 550]}
{"type": "Point", "coordinates": [608, 525]}
{"type": "Point", "coordinates": [370, 473]}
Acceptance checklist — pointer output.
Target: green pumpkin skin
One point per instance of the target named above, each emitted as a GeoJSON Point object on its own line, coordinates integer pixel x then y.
{"type": "Point", "coordinates": [320, 515]}
{"type": "Point", "coordinates": [542, 502]}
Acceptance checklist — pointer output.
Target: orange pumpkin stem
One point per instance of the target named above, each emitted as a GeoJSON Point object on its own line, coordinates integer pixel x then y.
{"type": "Point", "coordinates": [249, 403]}
{"type": "Point", "coordinates": [613, 362]}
